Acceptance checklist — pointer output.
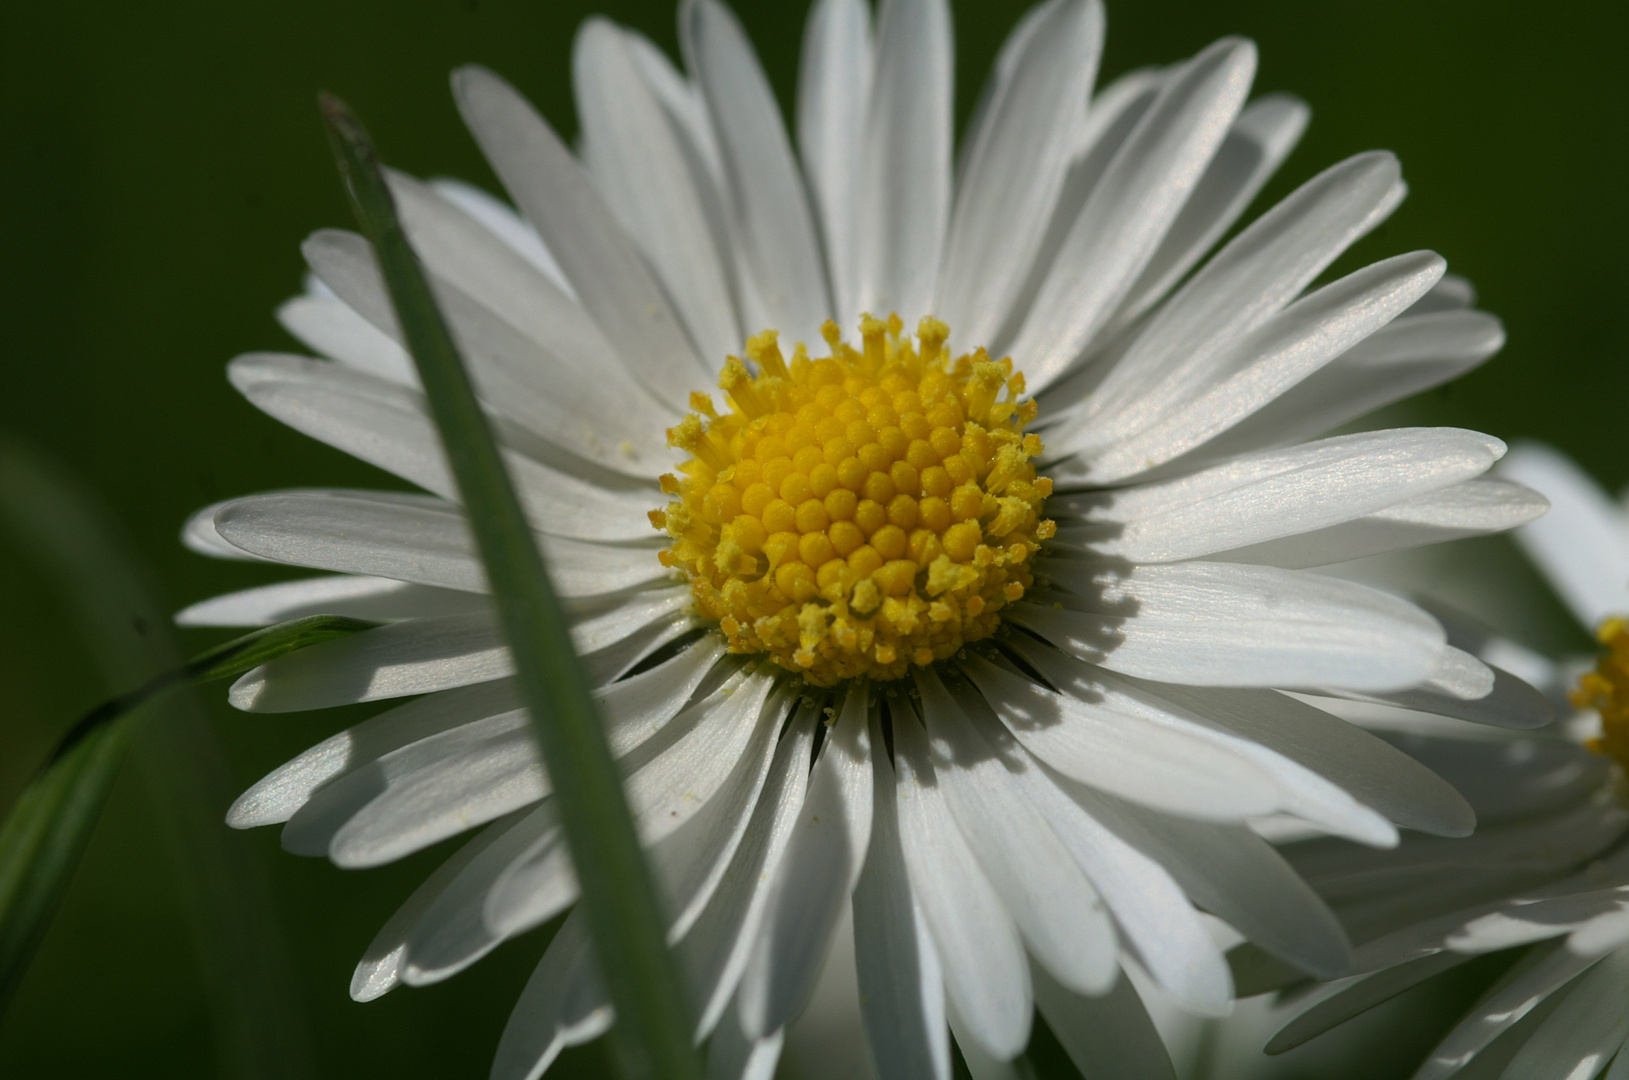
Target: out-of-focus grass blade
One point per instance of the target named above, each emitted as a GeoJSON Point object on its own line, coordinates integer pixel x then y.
{"type": "Point", "coordinates": [249, 984]}
{"type": "Point", "coordinates": [652, 1034]}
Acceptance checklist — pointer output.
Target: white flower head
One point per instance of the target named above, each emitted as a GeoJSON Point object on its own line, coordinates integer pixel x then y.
{"type": "Point", "coordinates": [1003, 521]}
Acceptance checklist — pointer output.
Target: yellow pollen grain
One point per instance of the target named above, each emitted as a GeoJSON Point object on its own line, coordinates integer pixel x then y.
{"type": "Point", "coordinates": [1606, 690]}
{"type": "Point", "coordinates": [855, 514]}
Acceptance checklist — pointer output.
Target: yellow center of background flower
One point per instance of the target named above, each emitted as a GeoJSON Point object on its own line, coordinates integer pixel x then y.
{"type": "Point", "coordinates": [1606, 690]}
{"type": "Point", "coordinates": [858, 513]}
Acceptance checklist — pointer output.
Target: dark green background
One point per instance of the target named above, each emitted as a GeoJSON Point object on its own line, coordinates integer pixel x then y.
{"type": "Point", "coordinates": [161, 163]}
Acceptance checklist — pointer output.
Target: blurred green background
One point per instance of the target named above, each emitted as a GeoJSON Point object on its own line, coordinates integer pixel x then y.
{"type": "Point", "coordinates": [162, 162]}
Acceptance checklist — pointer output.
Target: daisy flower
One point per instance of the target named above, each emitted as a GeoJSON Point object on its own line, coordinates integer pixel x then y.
{"type": "Point", "coordinates": [1548, 870]}
{"type": "Point", "coordinates": [959, 613]}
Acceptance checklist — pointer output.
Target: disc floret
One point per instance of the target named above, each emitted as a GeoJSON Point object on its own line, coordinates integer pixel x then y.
{"type": "Point", "coordinates": [1606, 690]}
{"type": "Point", "coordinates": [858, 513]}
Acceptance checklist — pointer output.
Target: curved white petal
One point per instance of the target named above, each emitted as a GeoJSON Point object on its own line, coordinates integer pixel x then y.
{"type": "Point", "coordinates": [377, 599]}
{"type": "Point", "coordinates": [834, 92]}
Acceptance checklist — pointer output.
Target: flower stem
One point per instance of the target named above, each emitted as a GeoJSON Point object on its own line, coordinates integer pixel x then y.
{"type": "Point", "coordinates": [652, 1036]}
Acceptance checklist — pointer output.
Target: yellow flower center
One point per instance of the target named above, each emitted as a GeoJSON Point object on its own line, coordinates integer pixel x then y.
{"type": "Point", "coordinates": [1606, 690]}
{"type": "Point", "coordinates": [858, 513]}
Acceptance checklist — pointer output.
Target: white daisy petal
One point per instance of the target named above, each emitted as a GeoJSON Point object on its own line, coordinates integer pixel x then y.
{"type": "Point", "coordinates": [379, 970]}
{"type": "Point", "coordinates": [1275, 494]}
{"type": "Point", "coordinates": [424, 655]}
{"type": "Point", "coordinates": [1256, 145]}
{"type": "Point", "coordinates": [1411, 354]}
{"type": "Point", "coordinates": [564, 1004]}
{"type": "Point", "coordinates": [905, 181]}
{"type": "Point", "coordinates": [1222, 624]}
{"type": "Point", "coordinates": [771, 220]}
{"type": "Point", "coordinates": [713, 952]}
{"type": "Point", "coordinates": [1060, 915]}
{"type": "Point", "coordinates": [1358, 996]}
{"type": "Point", "coordinates": [1184, 412]}
{"type": "Point", "coordinates": [823, 860]}
{"type": "Point", "coordinates": [1474, 508]}
{"type": "Point", "coordinates": [1117, 743]}
{"type": "Point", "coordinates": [331, 327]}
{"type": "Point", "coordinates": [732, 1055]}
{"type": "Point", "coordinates": [834, 89]}
{"type": "Point", "coordinates": [638, 163]}
{"type": "Point", "coordinates": [1013, 174]}
{"type": "Point", "coordinates": [451, 934]}
{"type": "Point", "coordinates": [388, 426]}
{"type": "Point", "coordinates": [1110, 1035]}
{"type": "Point", "coordinates": [378, 599]}
{"type": "Point", "coordinates": [602, 264]}
{"type": "Point", "coordinates": [985, 973]}
{"type": "Point", "coordinates": [530, 348]}
{"type": "Point", "coordinates": [1578, 1040]}
{"type": "Point", "coordinates": [500, 219]}
{"type": "Point", "coordinates": [902, 995]}
{"type": "Point", "coordinates": [1235, 875]}
{"type": "Point", "coordinates": [412, 538]}
{"type": "Point", "coordinates": [1133, 206]}
{"type": "Point", "coordinates": [1533, 978]}
{"type": "Point", "coordinates": [1582, 544]}
{"type": "Point", "coordinates": [1159, 925]}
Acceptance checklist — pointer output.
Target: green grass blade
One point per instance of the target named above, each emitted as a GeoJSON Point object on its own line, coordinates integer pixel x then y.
{"type": "Point", "coordinates": [652, 1035]}
{"type": "Point", "coordinates": [249, 982]}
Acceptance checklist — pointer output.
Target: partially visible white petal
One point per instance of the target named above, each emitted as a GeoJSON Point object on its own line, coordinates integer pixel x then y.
{"type": "Point", "coordinates": [1110, 1036]}
{"type": "Point", "coordinates": [378, 599]}
{"type": "Point", "coordinates": [1582, 544]}
{"type": "Point", "coordinates": [834, 92]}
{"type": "Point", "coordinates": [500, 218]}
{"type": "Point", "coordinates": [771, 220]}
{"type": "Point", "coordinates": [1578, 1039]}
{"type": "Point", "coordinates": [639, 166]}
{"type": "Point", "coordinates": [563, 1005]}
{"type": "Point", "coordinates": [733, 1055]}
{"type": "Point", "coordinates": [331, 327]}
{"type": "Point", "coordinates": [602, 264]}
{"type": "Point", "coordinates": [986, 976]}
{"type": "Point", "coordinates": [905, 170]}
{"type": "Point", "coordinates": [1222, 624]}
{"type": "Point", "coordinates": [1013, 174]}
{"type": "Point", "coordinates": [823, 860]}
{"type": "Point", "coordinates": [1132, 207]}
{"type": "Point", "coordinates": [902, 996]}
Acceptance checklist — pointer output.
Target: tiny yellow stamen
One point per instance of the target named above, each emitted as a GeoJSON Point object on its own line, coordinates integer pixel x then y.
{"type": "Point", "coordinates": [1606, 690]}
{"type": "Point", "coordinates": [859, 513]}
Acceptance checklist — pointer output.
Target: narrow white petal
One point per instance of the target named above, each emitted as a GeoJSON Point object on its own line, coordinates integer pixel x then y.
{"type": "Point", "coordinates": [1359, 996]}
{"type": "Point", "coordinates": [389, 426]}
{"type": "Point", "coordinates": [379, 970]}
{"type": "Point", "coordinates": [1414, 352]}
{"type": "Point", "coordinates": [733, 1055]}
{"type": "Point", "coordinates": [823, 860]}
{"type": "Point", "coordinates": [1473, 508]}
{"type": "Point", "coordinates": [501, 220]}
{"type": "Point", "coordinates": [771, 219]}
{"type": "Point", "coordinates": [378, 599]}
{"type": "Point", "coordinates": [1161, 929]}
{"type": "Point", "coordinates": [1110, 1035]}
{"type": "Point", "coordinates": [638, 163]}
{"type": "Point", "coordinates": [902, 995]}
{"type": "Point", "coordinates": [1061, 917]}
{"type": "Point", "coordinates": [1582, 544]}
{"type": "Point", "coordinates": [834, 90]}
{"type": "Point", "coordinates": [1255, 275]}
{"type": "Point", "coordinates": [534, 355]}
{"type": "Point", "coordinates": [905, 179]}
{"type": "Point", "coordinates": [563, 1005]}
{"type": "Point", "coordinates": [1205, 400]}
{"type": "Point", "coordinates": [1534, 977]}
{"type": "Point", "coordinates": [1235, 875]}
{"type": "Point", "coordinates": [1578, 1039]}
{"type": "Point", "coordinates": [1279, 493]}
{"type": "Point", "coordinates": [331, 327]}
{"type": "Point", "coordinates": [1132, 207]}
{"type": "Point", "coordinates": [1256, 145]}
{"type": "Point", "coordinates": [1014, 172]}
{"type": "Point", "coordinates": [982, 957]}
{"type": "Point", "coordinates": [424, 655]}
{"type": "Point", "coordinates": [1116, 742]}
{"type": "Point", "coordinates": [412, 538]}
{"type": "Point", "coordinates": [602, 264]}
